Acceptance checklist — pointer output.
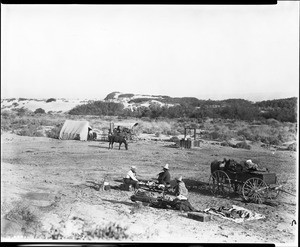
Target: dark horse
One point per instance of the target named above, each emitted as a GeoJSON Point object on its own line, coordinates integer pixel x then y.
{"type": "Point", "coordinates": [117, 137]}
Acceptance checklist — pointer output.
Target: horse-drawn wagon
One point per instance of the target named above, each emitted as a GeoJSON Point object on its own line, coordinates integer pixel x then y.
{"type": "Point", "coordinates": [253, 185]}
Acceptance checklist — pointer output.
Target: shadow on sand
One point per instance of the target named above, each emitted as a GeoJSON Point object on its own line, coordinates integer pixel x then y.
{"type": "Point", "coordinates": [119, 202]}
{"type": "Point", "coordinates": [171, 146]}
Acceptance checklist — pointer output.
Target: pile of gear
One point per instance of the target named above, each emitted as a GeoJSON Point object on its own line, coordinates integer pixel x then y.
{"type": "Point", "coordinates": [163, 186]}
{"type": "Point", "coordinates": [234, 213]}
{"type": "Point", "coordinates": [234, 166]}
{"type": "Point", "coordinates": [163, 202]}
{"type": "Point", "coordinates": [153, 186]}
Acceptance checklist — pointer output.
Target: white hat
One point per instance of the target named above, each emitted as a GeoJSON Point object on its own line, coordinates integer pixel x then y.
{"type": "Point", "coordinates": [179, 178]}
{"type": "Point", "coordinates": [249, 161]}
{"type": "Point", "coordinates": [133, 167]}
{"type": "Point", "coordinates": [181, 197]}
{"type": "Point", "coordinates": [166, 166]}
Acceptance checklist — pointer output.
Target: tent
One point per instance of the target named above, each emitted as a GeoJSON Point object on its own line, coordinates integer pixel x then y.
{"type": "Point", "coordinates": [75, 130]}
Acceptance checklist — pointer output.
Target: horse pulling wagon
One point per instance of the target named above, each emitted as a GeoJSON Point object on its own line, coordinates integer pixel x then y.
{"type": "Point", "coordinates": [253, 185]}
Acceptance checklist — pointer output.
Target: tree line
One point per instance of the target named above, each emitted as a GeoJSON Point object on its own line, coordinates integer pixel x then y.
{"type": "Point", "coordinates": [284, 110]}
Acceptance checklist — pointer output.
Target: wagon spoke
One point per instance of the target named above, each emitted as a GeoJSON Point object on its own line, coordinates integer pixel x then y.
{"type": "Point", "coordinates": [220, 184]}
{"type": "Point", "coordinates": [254, 189]}
{"type": "Point", "coordinates": [250, 187]}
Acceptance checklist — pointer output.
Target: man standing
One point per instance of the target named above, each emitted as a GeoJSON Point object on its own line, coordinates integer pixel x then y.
{"type": "Point", "coordinates": [164, 177]}
{"type": "Point", "coordinates": [131, 178]}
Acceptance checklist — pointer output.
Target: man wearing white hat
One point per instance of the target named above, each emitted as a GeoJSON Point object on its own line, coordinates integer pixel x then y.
{"type": "Point", "coordinates": [131, 177]}
{"type": "Point", "coordinates": [164, 177]}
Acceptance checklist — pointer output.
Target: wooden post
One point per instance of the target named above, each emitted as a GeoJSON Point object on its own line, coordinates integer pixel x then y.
{"type": "Point", "coordinates": [111, 127]}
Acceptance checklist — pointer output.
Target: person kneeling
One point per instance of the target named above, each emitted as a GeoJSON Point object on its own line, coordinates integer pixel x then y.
{"type": "Point", "coordinates": [181, 201]}
{"type": "Point", "coordinates": [181, 192]}
{"type": "Point", "coordinates": [131, 179]}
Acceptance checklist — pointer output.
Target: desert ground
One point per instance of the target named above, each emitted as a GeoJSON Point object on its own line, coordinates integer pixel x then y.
{"type": "Point", "coordinates": [49, 177]}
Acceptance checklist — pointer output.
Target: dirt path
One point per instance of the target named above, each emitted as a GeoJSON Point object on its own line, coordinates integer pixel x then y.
{"type": "Point", "coordinates": [50, 176]}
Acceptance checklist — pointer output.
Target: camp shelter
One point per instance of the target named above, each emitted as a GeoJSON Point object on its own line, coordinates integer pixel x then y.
{"type": "Point", "coordinates": [75, 130]}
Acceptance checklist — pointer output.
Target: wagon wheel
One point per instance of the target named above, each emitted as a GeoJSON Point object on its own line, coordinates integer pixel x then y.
{"type": "Point", "coordinates": [219, 183]}
{"type": "Point", "coordinates": [255, 190]}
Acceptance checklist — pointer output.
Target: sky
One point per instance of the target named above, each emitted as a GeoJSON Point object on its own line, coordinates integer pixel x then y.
{"type": "Point", "coordinates": [204, 51]}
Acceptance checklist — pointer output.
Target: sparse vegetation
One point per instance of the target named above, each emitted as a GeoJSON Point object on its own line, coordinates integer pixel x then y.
{"type": "Point", "coordinates": [54, 132]}
{"type": "Point", "coordinates": [218, 120]}
{"type": "Point", "coordinates": [271, 132]}
{"type": "Point", "coordinates": [243, 145]}
{"type": "Point", "coordinates": [26, 217]}
{"type": "Point", "coordinates": [98, 108]}
{"type": "Point", "coordinates": [111, 231]}
{"type": "Point", "coordinates": [127, 95]}
{"type": "Point", "coordinates": [111, 95]}
{"type": "Point", "coordinates": [50, 100]}
{"type": "Point", "coordinates": [39, 111]}
{"type": "Point", "coordinates": [284, 110]}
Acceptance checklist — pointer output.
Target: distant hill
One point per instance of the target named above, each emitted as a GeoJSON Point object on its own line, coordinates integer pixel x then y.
{"type": "Point", "coordinates": [130, 100]}
{"type": "Point", "coordinates": [49, 105]}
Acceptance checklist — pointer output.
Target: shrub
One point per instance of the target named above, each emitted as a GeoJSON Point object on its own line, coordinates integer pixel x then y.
{"type": "Point", "coordinates": [5, 125]}
{"type": "Point", "coordinates": [50, 100]}
{"type": "Point", "coordinates": [247, 134]}
{"type": "Point", "coordinates": [174, 139]}
{"type": "Point", "coordinates": [292, 147]}
{"type": "Point", "coordinates": [39, 111]}
{"type": "Point", "coordinates": [243, 145]}
{"type": "Point", "coordinates": [21, 111]}
{"type": "Point", "coordinates": [30, 131]}
{"type": "Point", "coordinates": [9, 100]}
{"type": "Point", "coordinates": [54, 132]}
{"type": "Point", "coordinates": [225, 144]}
{"type": "Point", "coordinates": [111, 96]}
{"type": "Point", "coordinates": [127, 95]}
{"type": "Point", "coordinates": [111, 231]}
{"type": "Point", "coordinates": [27, 217]}
{"type": "Point", "coordinates": [8, 114]}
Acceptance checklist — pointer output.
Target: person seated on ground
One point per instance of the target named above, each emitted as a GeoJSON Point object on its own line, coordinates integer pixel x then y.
{"type": "Point", "coordinates": [164, 177]}
{"type": "Point", "coordinates": [131, 178]}
{"type": "Point", "coordinates": [181, 201]}
{"type": "Point", "coordinates": [181, 192]}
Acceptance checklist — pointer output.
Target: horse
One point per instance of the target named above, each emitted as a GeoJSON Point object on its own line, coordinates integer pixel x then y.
{"type": "Point", "coordinates": [117, 138]}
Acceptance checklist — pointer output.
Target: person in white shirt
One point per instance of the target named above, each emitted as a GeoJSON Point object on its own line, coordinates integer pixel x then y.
{"type": "Point", "coordinates": [131, 178]}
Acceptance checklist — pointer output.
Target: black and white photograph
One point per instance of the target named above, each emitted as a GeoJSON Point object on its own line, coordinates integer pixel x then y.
{"type": "Point", "coordinates": [150, 123]}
